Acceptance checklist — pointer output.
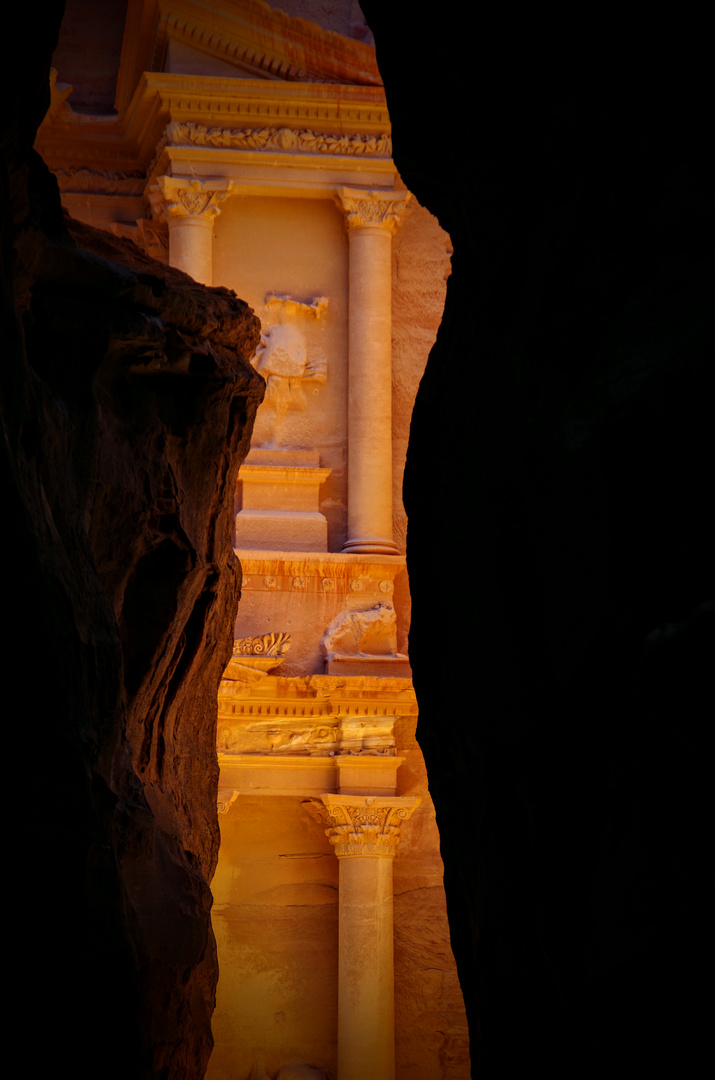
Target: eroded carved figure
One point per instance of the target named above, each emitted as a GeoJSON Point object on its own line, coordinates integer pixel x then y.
{"type": "Point", "coordinates": [283, 359]}
{"type": "Point", "coordinates": [362, 633]}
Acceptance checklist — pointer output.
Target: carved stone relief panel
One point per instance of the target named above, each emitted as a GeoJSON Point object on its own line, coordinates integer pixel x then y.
{"type": "Point", "coordinates": [286, 361]}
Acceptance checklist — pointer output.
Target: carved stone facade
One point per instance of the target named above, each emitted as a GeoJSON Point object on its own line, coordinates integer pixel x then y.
{"type": "Point", "coordinates": [253, 152]}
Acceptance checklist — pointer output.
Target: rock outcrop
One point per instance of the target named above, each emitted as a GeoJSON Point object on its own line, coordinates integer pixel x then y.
{"type": "Point", "coordinates": [562, 446]}
{"type": "Point", "coordinates": [127, 404]}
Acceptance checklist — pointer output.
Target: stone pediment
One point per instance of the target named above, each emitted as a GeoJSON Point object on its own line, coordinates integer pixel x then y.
{"type": "Point", "coordinates": [243, 38]}
{"type": "Point", "coordinates": [213, 75]}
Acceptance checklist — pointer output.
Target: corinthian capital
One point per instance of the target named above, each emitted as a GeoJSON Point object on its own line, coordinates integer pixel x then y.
{"type": "Point", "coordinates": [363, 824]}
{"type": "Point", "coordinates": [381, 209]}
{"type": "Point", "coordinates": [173, 198]}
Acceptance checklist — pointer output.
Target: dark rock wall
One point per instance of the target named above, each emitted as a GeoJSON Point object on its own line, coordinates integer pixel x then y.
{"type": "Point", "coordinates": [562, 443]}
{"type": "Point", "coordinates": [127, 403]}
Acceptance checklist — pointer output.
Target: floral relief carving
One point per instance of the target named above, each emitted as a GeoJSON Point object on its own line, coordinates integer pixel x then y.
{"type": "Point", "coordinates": [194, 202]}
{"type": "Point", "coordinates": [101, 181]}
{"type": "Point", "coordinates": [363, 208]}
{"type": "Point", "coordinates": [365, 825]}
{"type": "Point", "coordinates": [254, 656]}
{"type": "Point", "coordinates": [172, 198]}
{"type": "Point", "coordinates": [283, 138]}
{"type": "Point", "coordinates": [262, 645]}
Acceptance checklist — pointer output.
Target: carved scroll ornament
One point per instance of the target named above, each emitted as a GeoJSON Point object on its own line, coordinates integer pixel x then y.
{"type": "Point", "coordinates": [262, 645]}
{"type": "Point", "coordinates": [254, 656]}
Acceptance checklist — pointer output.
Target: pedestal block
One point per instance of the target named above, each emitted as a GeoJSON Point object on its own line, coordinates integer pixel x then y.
{"type": "Point", "coordinates": [279, 500]}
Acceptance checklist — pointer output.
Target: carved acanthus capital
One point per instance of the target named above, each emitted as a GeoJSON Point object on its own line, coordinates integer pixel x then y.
{"type": "Point", "coordinates": [374, 209]}
{"type": "Point", "coordinates": [363, 824]}
{"type": "Point", "coordinates": [173, 199]}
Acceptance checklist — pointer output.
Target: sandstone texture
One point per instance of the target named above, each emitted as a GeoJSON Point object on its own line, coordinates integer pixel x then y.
{"type": "Point", "coordinates": [127, 404]}
{"type": "Point", "coordinates": [332, 943]}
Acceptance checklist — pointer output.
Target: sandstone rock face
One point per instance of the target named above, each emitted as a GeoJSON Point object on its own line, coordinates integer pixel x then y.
{"type": "Point", "coordinates": [127, 405]}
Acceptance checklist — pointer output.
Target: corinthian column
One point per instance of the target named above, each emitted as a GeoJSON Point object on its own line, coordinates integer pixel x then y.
{"type": "Point", "coordinates": [190, 208]}
{"type": "Point", "coordinates": [372, 219]}
{"type": "Point", "coordinates": [365, 831]}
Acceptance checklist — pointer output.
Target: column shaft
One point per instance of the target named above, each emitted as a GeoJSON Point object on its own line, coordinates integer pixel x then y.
{"type": "Point", "coordinates": [370, 391]}
{"type": "Point", "coordinates": [372, 218]}
{"type": "Point", "coordinates": [190, 207]}
{"type": "Point", "coordinates": [366, 1022]}
{"type": "Point", "coordinates": [190, 247]}
{"type": "Point", "coordinates": [365, 831]}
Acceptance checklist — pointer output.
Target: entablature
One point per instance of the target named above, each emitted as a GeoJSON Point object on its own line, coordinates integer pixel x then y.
{"type": "Point", "coordinates": [205, 113]}
{"type": "Point", "coordinates": [316, 697]}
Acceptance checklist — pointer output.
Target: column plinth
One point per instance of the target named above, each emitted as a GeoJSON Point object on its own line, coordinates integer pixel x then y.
{"type": "Point", "coordinates": [365, 831]}
{"type": "Point", "coordinates": [372, 219]}
{"type": "Point", "coordinates": [190, 208]}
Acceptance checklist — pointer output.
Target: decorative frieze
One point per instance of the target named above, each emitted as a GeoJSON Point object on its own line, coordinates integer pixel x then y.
{"type": "Point", "coordinates": [262, 733]}
{"type": "Point", "coordinates": [310, 716]}
{"type": "Point", "coordinates": [281, 139]}
{"type": "Point", "coordinates": [317, 696]}
{"type": "Point", "coordinates": [369, 583]}
{"type": "Point", "coordinates": [100, 182]}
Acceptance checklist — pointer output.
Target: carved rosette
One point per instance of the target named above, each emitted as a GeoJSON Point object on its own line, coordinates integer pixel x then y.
{"type": "Point", "coordinates": [374, 209]}
{"type": "Point", "coordinates": [363, 824]}
{"type": "Point", "coordinates": [173, 199]}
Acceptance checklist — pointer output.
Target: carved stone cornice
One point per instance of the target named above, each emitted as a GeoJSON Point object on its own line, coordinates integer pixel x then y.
{"type": "Point", "coordinates": [346, 124]}
{"type": "Point", "coordinates": [286, 139]}
{"type": "Point", "coordinates": [360, 825]}
{"type": "Point", "coordinates": [311, 715]}
{"type": "Point", "coordinates": [254, 37]}
{"type": "Point", "coordinates": [173, 199]}
{"type": "Point", "coordinates": [374, 209]}
{"type": "Point", "coordinates": [316, 697]}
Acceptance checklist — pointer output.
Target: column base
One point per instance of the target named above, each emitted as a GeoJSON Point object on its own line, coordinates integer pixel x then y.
{"type": "Point", "coordinates": [371, 545]}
